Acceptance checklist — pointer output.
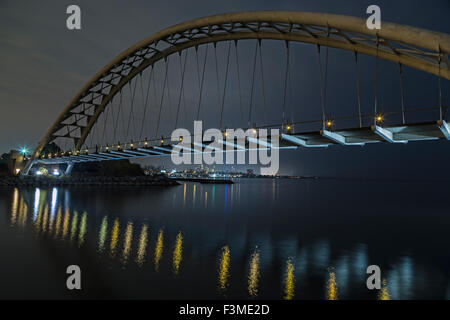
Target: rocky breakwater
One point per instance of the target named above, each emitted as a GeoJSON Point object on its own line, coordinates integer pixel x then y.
{"type": "Point", "coordinates": [138, 181]}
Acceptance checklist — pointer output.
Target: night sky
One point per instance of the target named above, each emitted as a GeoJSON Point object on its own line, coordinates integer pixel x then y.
{"type": "Point", "coordinates": [43, 65]}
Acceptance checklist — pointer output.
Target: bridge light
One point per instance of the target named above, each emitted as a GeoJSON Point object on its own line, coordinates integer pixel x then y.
{"type": "Point", "coordinates": [225, 134]}
{"type": "Point", "coordinates": [254, 130]}
{"type": "Point", "coordinates": [132, 145]}
{"type": "Point", "coordinates": [107, 148]}
{"type": "Point", "coordinates": [288, 127]}
{"type": "Point", "coordinates": [24, 151]}
{"type": "Point", "coordinates": [329, 123]}
{"type": "Point", "coordinates": [181, 139]}
{"type": "Point", "coordinates": [146, 143]}
{"type": "Point", "coordinates": [379, 118]}
{"type": "Point", "coordinates": [162, 140]}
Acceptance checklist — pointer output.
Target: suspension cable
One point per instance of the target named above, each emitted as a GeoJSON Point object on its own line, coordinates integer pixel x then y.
{"type": "Point", "coordinates": [169, 100]}
{"type": "Point", "coordinates": [283, 120]}
{"type": "Point", "coordinates": [253, 85]}
{"type": "Point", "coordinates": [321, 87]}
{"type": "Point", "coordinates": [150, 77]}
{"type": "Point", "coordinates": [162, 96]}
{"type": "Point", "coordinates": [118, 115]}
{"type": "Point", "coordinates": [131, 116]}
{"type": "Point", "coordinates": [441, 112]}
{"type": "Point", "coordinates": [326, 73]}
{"type": "Point", "coordinates": [376, 83]}
{"type": "Point", "coordinates": [239, 82]}
{"type": "Point", "coordinates": [184, 109]}
{"type": "Point", "coordinates": [106, 122]}
{"type": "Point", "coordinates": [217, 74]}
{"type": "Point", "coordinates": [400, 69]}
{"type": "Point", "coordinates": [225, 84]}
{"type": "Point", "coordinates": [201, 84]}
{"type": "Point", "coordinates": [182, 69]}
{"type": "Point", "coordinates": [262, 82]}
{"type": "Point", "coordinates": [291, 98]}
{"type": "Point", "coordinates": [358, 95]}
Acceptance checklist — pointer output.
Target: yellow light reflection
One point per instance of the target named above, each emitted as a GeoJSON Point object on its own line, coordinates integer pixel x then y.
{"type": "Point", "coordinates": [253, 275]}
{"type": "Point", "coordinates": [58, 222]}
{"type": "Point", "coordinates": [82, 233]}
{"type": "Point", "coordinates": [114, 237]}
{"type": "Point", "coordinates": [14, 206]}
{"type": "Point", "coordinates": [289, 281]}
{"type": "Point", "coordinates": [23, 212]}
{"type": "Point", "coordinates": [45, 219]}
{"type": "Point", "coordinates": [184, 195]}
{"type": "Point", "coordinates": [38, 220]}
{"type": "Point", "coordinates": [178, 253]}
{"type": "Point", "coordinates": [66, 224]}
{"type": "Point", "coordinates": [224, 268]}
{"type": "Point", "coordinates": [332, 288]}
{"type": "Point", "coordinates": [52, 221]}
{"type": "Point", "coordinates": [74, 225]}
{"type": "Point", "coordinates": [102, 234]}
{"type": "Point", "coordinates": [159, 248]}
{"type": "Point", "coordinates": [384, 293]}
{"type": "Point", "coordinates": [142, 247]}
{"type": "Point", "coordinates": [127, 242]}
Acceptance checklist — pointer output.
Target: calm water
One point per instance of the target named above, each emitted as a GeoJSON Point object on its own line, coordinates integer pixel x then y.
{"type": "Point", "coordinates": [275, 239]}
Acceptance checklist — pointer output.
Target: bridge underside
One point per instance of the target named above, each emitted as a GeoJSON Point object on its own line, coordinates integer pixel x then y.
{"type": "Point", "coordinates": [315, 139]}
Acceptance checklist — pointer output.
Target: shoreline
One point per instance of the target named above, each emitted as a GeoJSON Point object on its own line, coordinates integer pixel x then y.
{"type": "Point", "coordinates": [101, 181]}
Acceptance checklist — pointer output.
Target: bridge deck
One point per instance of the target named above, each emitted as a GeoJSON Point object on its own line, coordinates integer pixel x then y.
{"type": "Point", "coordinates": [318, 139]}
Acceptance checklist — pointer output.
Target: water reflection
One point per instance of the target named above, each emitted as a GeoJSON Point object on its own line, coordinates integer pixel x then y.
{"type": "Point", "coordinates": [253, 274]}
{"type": "Point", "coordinates": [65, 230]}
{"type": "Point", "coordinates": [128, 239]}
{"type": "Point", "coordinates": [140, 258]}
{"type": "Point", "coordinates": [159, 248]}
{"type": "Point", "coordinates": [178, 253]}
{"type": "Point", "coordinates": [82, 233]}
{"type": "Point", "coordinates": [384, 293]}
{"type": "Point", "coordinates": [74, 225]}
{"type": "Point", "coordinates": [224, 268]}
{"type": "Point", "coordinates": [114, 238]}
{"type": "Point", "coordinates": [102, 234]}
{"type": "Point", "coordinates": [14, 206]}
{"type": "Point", "coordinates": [332, 287]}
{"type": "Point", "coordinates": [289, 281]}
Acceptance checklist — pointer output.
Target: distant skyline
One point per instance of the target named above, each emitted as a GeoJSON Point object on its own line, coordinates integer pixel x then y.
{"type": "Point", "coordinates": [43, 65]}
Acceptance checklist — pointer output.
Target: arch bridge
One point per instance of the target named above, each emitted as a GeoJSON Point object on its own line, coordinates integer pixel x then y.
{"type": "Point", "coordinates": [120, 113]}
